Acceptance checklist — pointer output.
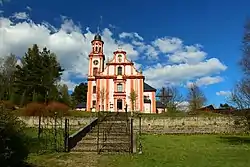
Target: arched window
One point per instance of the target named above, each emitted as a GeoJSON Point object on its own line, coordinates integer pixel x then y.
{"type": "Point", "coordinates": [95, 70]}
{"type": "Point", "coordinates": [119, 88]}
{"type": "Point", "coordinates": [119, 70]}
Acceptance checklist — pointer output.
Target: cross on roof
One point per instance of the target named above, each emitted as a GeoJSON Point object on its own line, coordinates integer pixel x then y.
{"type": "Point", "coordinates": [164, 94]}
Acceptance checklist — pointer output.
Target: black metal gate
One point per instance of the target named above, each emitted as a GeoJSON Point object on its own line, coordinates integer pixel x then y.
{"type": "Point", "coordinates": [53, 133]}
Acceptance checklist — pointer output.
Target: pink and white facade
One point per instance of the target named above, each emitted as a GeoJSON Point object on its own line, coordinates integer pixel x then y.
{"type": "Point", "coordinates": [110, 84]}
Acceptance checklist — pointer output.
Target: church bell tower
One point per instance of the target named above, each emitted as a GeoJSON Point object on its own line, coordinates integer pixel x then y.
{"type": "Point", "coordinates": [96, 66]}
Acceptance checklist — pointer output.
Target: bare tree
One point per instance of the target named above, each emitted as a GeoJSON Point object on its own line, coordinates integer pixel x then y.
{"type": "Point", "coordinates": [196, 98]}
{"type": "Point", "coordinates": [133, 97]}
{"type": "Point", "coordinates": [240, 96]}
{"type": "Point", "coordinates": [101, 95]}
{"type": "Point", "coordinates": [175, 99]}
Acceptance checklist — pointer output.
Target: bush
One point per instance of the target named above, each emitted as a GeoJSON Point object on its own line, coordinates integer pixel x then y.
{"type": "Point", "coordinates": [35, 109]}
{"type": "Point", "coordinates": [57, 108]}
{"type": "Point", "coordinates": [13, 150]}
{"type": "Point", "coordinates": [8, 105]}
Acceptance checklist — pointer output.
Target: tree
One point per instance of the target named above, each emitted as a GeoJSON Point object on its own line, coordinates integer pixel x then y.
{"type": "Point", "coordinates": [170, 97]}
{"type": "Point", "coordinates": [101, 95]}
{"type": "Point", "coordinates": [7, 77]}
{"type": "Point", "coordinates": [133, 97]}
{"type": "Point", "coordinates": [38, 74]}
{"type": "Point", "coordinates": [196, 98]}
{"type": "Point", "coordinates": [64, 94]}
{"type": "Point", "coordinates": [79, 94]}
{"type": "Point", "coordinates": [13, 145]}
{"type": "Point", "coordinates": [240, 96]}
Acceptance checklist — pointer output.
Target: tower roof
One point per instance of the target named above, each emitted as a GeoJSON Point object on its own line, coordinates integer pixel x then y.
{"type": "Point", "coordinates": [98, 37]}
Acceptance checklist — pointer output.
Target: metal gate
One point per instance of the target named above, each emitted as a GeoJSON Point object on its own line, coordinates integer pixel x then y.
{"type": "Point", "coordinates": [53, 133]}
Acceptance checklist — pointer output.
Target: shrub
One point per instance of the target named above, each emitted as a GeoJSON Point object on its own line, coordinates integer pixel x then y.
{"type": "Point", "coordinates": [8, 105]}
{"type": "Point", "coordinates": [35, 109]}
{"type": "Point", "coordinates": [59, 108]}
{"type": "Point", "coordinates": [13, 150]}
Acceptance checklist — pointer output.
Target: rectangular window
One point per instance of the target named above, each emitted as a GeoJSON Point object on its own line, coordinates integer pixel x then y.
{"type": "Point", "coordinates": [94, 103]}
{"type": "Point", "coordinates": [119, 70]}
{"type": "Point", "coordinates": [95, 70]}
{"type": "Point", "coordinates": [119, 88]}
{"type": "Point", "coordinates": [94, 89]}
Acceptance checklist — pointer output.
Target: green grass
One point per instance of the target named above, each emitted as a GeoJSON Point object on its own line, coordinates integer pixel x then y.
{"type": "Point", "coordinates": [48, 142]}
{"type": "Point", "coordinates": [162, 151]}
{"type": "Point", "coordinates": [186, 151]}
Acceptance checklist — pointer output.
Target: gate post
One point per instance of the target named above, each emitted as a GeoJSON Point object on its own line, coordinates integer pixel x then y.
{"type": "Point", "coordinates": [140, 125]}
{"type": "Point", "coordinates": [131, 136]}
{"type": "Point", "coordinates": [66, 135]}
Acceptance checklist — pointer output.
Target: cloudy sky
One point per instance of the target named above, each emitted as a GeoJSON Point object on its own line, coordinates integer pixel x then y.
{"type": "Point", "coordinates": [174, 41]}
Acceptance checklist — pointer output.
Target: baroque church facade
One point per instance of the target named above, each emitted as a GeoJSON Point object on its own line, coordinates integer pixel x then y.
{"type": "Point", "coordinates": [110, 85]}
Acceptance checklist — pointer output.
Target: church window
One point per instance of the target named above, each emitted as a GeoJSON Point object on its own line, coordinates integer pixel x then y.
{"type": "Point", "coordinates": [96, 49]}
{"type": "Point", "coordinates": [119, 69]}
{"type": "Point", "coordinates": [94, 103]}
{"type": "Point", "coordinates": [119, 88]}
{"type": "Point", "coordinates": [95, 70]}
{"type": "Point", "coordinates": [94, 89]}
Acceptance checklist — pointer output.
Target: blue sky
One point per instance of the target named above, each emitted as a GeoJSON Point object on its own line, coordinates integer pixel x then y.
{"type": "Point", "coordinates": [216, 25]}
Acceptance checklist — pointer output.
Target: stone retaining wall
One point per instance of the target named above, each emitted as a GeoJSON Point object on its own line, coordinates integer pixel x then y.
{"type": "Point", "coordinates": [190, 125]}
{"type": "Point", "coordinates": [186, 125]}
{"type": "Point", "coordinates": [74, 122]}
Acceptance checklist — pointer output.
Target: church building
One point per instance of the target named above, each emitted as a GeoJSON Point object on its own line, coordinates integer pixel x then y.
{"type": "Point", "coordinates": [110, 85]}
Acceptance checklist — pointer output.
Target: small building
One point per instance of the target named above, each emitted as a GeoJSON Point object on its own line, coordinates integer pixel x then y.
{"type": "Point", "coordinates": [81, 107]}
{"type": "Point", "coordinates": [207, 108]}
{"type": "Point", "coordinates": [159, 107]}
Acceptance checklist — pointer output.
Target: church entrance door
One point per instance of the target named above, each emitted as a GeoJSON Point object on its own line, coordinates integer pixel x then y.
{"type": "Point", "coordinates": [119, 104]}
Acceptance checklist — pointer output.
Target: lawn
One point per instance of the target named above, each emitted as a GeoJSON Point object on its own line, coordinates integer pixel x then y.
{"type": "Point", "coordinates": [186, 151]}
{"type": "Point", "coordinates": [162, 151]}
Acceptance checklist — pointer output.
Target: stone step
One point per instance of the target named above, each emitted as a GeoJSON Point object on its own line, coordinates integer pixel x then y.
{"type": "Point", "coordinates": [94, 138]}
{"type": "Point", "coordinates": [92, 147]}
{"type": "Point", "coordinates": [114, 122]}
{"type": "Point", "coordinates": [110, 134]}
{"type": "Point", "coordinates": [85, 148]}
{"type": "Point", "coordinates": [101, 130]}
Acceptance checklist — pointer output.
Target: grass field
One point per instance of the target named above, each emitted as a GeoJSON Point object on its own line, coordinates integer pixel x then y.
{"type": "Point", "coordinates": [164, 151]}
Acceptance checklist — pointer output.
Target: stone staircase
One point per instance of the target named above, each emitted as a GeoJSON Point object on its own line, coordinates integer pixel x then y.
{"type": "Point", "coordinates": [114, 136]}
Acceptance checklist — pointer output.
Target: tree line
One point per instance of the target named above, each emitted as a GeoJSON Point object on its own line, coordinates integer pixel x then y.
{"type": "Point", "coordinates": [35, 78]}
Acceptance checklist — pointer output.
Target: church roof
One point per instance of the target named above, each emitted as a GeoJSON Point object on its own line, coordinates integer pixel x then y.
{"type": "Point", "coordinates": [81, 105]}
{"type": "Point", "coordinates": [148, 88]}
{"type": "Point", "coordinates": [98, 37]}
{"type": "Point", "coordinates": [159, 104]}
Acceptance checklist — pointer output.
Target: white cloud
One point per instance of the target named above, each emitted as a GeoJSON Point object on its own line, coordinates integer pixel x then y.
{"type": "Point", "coordinates": [131, 35]}
{"type": "Point", "coordinates": [223, 93]}
{"type": "Point", "coordinates": [189, 55]}
{"type": "Point", "coordinates": [159, 74]}
{"type": "Point", "coordinates": [183, 106]}
{"type": "Point", "coordinates": [167, 45]}
{"type": "Point", "coordinates": [72, 44]}
{"type": "Point", "coordinates": [208, 80]}
{"type": "Point", "coordinates": [28, 8]}
{"type": "Point", "coordinates": [1, 11]}
{"type": "Point", "coordinates": [21, 15]}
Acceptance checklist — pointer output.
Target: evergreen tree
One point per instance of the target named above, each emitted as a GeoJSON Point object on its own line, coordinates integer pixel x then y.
{"type": "Point", "coordinates": [79, 94]}
{"type": "Point", "coordinates": [38, 74]}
